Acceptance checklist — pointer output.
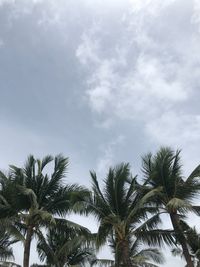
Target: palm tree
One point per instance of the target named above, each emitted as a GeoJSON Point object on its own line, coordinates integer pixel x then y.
{"type": "Point", "coordinates": [122, 214]}
{"type": "Point", "coordinates": [37, 197]}
{"type": "Point", "coordinates": [65, 245]}
{"type": "Point", "coordinates": [176, 194]}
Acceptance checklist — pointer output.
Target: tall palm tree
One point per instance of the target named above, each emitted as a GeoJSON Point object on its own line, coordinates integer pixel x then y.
{"type": "Point", "coordinates": [176, 196]}
{"type": "Point", "coordinates": [38, 197]}
{"type": "Point", "coordinates": [122, 214]}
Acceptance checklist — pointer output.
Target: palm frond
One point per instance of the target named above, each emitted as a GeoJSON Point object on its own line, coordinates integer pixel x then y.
{"type": "Point", "coordinates": [195, 174]}
{"type": "Point", "coordinates": [101, 262]}
{"type": "Point", "coordinates": [157, 237]}
{"type": "Point", "coordinates": [30, 194]}
{"type": "Point", "coordinates": [46, 160]}
{"type": "Point", "coordinates": [151, 254]}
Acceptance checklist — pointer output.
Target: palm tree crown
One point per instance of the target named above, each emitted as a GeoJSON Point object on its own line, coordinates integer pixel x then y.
{"type": "Point", "coordinates": [38, 196]}
{"type": "Point", "coordinates": [122, 213]}
{"type": "Point", "coordinates": [176, 194]}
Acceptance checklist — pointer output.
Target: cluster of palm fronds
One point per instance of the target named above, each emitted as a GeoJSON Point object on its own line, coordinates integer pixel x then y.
{"type": "Point", "coordinates": [35, 204]}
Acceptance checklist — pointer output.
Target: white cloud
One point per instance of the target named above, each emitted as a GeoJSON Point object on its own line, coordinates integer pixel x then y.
{"type": "Point", "coordinates": [152, 7]}
{"type": "Point", "coordinates": [196, 15]}
{"type": "Point", "coordinates": [87, 50]}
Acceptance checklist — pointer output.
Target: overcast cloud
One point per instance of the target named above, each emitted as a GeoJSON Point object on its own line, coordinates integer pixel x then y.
{"type": "Point", "coordinates": [99, 81]}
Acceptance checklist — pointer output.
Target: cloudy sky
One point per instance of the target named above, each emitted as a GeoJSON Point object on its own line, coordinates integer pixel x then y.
{"type": "Point", "coordinates": [99, 81]}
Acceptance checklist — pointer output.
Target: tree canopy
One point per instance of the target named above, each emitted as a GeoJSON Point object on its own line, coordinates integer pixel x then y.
{"type": "Point", "coordinates": [36, 199]}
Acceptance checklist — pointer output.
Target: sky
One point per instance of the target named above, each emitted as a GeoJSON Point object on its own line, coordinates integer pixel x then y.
{"type": "Point", "coordinates": [101, 82]}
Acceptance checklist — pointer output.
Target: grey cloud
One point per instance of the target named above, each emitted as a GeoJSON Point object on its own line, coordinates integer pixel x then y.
{"type": "Point", "coordinates": [151, 69]}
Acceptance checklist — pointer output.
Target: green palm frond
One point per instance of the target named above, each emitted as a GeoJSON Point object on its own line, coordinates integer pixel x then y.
{"type": "Point", "coordinates": [96, 189]}
{"type": "Point", "coordinates": [29, 168]}
{"type": "Point", "coordinates": [101, 262]}
{"type": "Point", "coordinates": [139, 206]}
{"type": "Point", "coordinates": [195, 174]}
{"type": "Point", "coordinates": [3, 178]}
{"type": "Point", "coordinates": [150, 254]}
{"type": "Point", "coordinates": [45, 161]}
{"type": "Point", "coordinates": [16, 232]}
{"type": "Point", "coordinates": [147, 166]}
{"type": "Point", "coordinates": [30, 195]}
{"type": "Point", "coordinates": [76, 229]}
{"type": "Point", "coordinates": [13, 227]}
{"type": "Point", "coordinates": [103, 233]}
{"type": "Point", "coordinates": [193, 238]}
{"type": "Point", "coordinates": [177, 252]}
{"type": "Point", "coordinates": [157, 237]}
{"type": "Point", "coordinates": [9, 264]}
{"type": "Point", "coordinates": [43, 248]}
{"type": "Point", "coordinates": [60, 167]}
{"type": "Point", "coordinates": [149, 224]}
{"type": "Point", "coordinates": [115, 187]}
{"type": "Point", "coordinates": [16, 175]}
{"type": "Point", "coordinates": [135, 246]}
{"type": "Point", "coordinates": [61, 246]}
{"type": "Point", "coordinates": [6, 242]}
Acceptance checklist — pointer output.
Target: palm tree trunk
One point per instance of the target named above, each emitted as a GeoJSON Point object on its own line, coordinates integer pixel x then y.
{"type": "Point", "coordinates": [27, 246]}
{"type": "Point", "coordinates": [181, 238]}
{"type": "Point", "coordinates": [116, 258]}
{"type": "Point", "coordinates": [125, 254]}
